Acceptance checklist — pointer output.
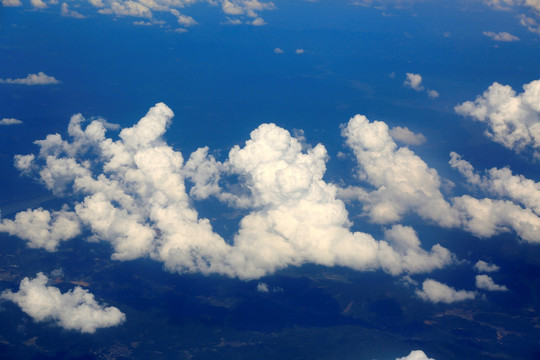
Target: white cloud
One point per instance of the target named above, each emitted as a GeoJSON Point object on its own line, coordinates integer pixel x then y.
{"type": "Point", "coordinates": [262, 287]}
{"type": "Point", "coordinates": [10, 121]}
{"type": "Point", "coordinates": [258, 22]}
{"type": "Point", "coordinates": [41, 228]}
{"type": "Point", "coordinates": [433, 94]}
{"type": "Point", "coordinates": [75, 310]}
{"type": "Point", "coordinates": [501, 4]}
{"type": "Point", "coordinates": [436, 292]}
{"type": "Point", "coordinates": [414, 81]}
{"type": "Point", "coordinates": [501, 183]}
{"type": "Point", "coordinates": [530, 23]}
{"type": "Point", "coordinates": [508, 4]}
{"type": "Point", "coordinates": [183, 20]}
{"type": "Point", "coordinates": [406, 136]}
{"type": "Point", "coordinates": [65, 11]}
{"type": "Point", "coordinates": [482, 266]}
{"type": "Point", "coordinates": [39, 4]}
{"type": "Point", "coordinates": [299, 51]}
{"type": "Point", "coordinates": [134, 197]}
{"type": "Point", "coordinates": [487, 217]}
{"type": "Point", "coordinates": [501, 36]}
{"type": "Point", "coordinates": [512, 120]}
{"type": "Point", "coordinates": [32, 79]}
{"type": "Point", "coordinates": [415, 355]}
{"type": "Point", "coordinates": [278, 51]}
{"type": "Point", "coordinates": [485, 282]}
{"type": "Point", "coordinates": [13, 3]}
{"type": "Point", "coordinates": [403, 182]}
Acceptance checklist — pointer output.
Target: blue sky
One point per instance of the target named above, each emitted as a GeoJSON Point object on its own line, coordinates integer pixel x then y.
{"type": "Point", "coordinates": [247, 139]}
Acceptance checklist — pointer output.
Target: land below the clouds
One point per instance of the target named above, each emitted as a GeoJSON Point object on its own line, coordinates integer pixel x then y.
{"type": "Point", "coordinates": [311, 311]}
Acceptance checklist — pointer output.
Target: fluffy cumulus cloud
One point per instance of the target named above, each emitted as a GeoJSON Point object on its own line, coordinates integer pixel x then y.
{"type": "Point", "coordinates": [406, 136]}
{"type": "Point", "coordinates": [75, 310]}
{"type": "Point", "coordinates": [512, 120]}
{"type": "Point", "coordinates": [436, 292]}
{"type": "Point", "coordinates": [415, 355]}
{"type": "Point", "coordinates": [10, 121]}
{"type": "Point", "coordinates": [501, 36]}
{"type": "Point", "coordinates": [482, 266]}
{"type": "Point", "coordinates": [42, 228]}
{"type": "Point", "coordinates": [518, 209]}
{"type": "Point", "coordinates": [296, 216]}
{"type": "Point", "coordinates": [32, 79]}
{"type": "Point", "coordinates": [132, 194]}
{"type": "Point", "coordinates": [485, 282]}
{"type": "Point", "coordinates": [414, 81]}
{"type": "Point", "coordinates": [402, 181]}
{"type": "Point", "coordinates": [501, 183]}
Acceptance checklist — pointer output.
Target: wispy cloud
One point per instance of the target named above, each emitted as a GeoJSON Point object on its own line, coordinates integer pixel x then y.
{"type": "Point", "coordinates": [32, 79]}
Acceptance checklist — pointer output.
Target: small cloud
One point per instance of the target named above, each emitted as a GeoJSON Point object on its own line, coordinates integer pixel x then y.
{"type": "Point", "coordinates": [485, 282]}
{"type": "Point", "coordinates": [32, 79]}
{"type": "Point", "coordinates": [278, 51]}
{"type": "Point", "coordinates": [12, 3]}
{"type": "Point", "coordinates": [182, 19]}
{"type": "Point", "coordinates": [432, 94]}
{"type": "Point", "coordinates": [142, 23]}
{"type": "Point", "coordinates": [258, 22]}
{"type": "Point", "coordinates": [262, 287]}
{"type": "Point", "coordinates": [436, 292]}
{"type": "Point", "coordinates": [299, 51]}
{"type": "Point", "coordinates": [392, 75]}
{"type": "Point", "coordinates": [231, 21]}
{"type": "Point", "coordinates": [416, 355]}
{"type": "Point", "coordinates": [10, 121]}
{"type": "Point", "coordinates": [406, 136]}
{"type": "Point", "coordinates": [38, 4]}
{"type": "Point", "coordinates": [501, 36]}
{"type": "Point", "coordinates": [70, 13]}
{"type": "Point", "coordinates": [74, 310]}
{"type": "Point", "coordinates": [482, 266]}
{"type": "Point", "coordinates": [447, 34]}
{"type": "Point", "coordinates": [414, 81]}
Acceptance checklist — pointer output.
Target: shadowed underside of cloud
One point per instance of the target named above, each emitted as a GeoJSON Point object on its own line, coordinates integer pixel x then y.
{"type": "Point", "coordinates": [74, 310]}
{"type": "Point", "coordinates": [131, 192]}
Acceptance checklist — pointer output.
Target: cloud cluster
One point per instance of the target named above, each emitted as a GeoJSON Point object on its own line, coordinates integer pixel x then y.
{"type": "Point", "coordinates": [513, 120]}
{"type": "Point", "coordinates": [32, 79]}
{"type": "Point", "coordinates": [157, 11]}
{"type": "Point", "coordinates": [415, 355]}
{"type": "Point", "coordinates": [486, 217]}
{"type": "Point", "coordinates": [133, 195]}
{"type": "Point", "coordinates": [75, 310]}
{"type": "Point", "coordinates": [436, 292]}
